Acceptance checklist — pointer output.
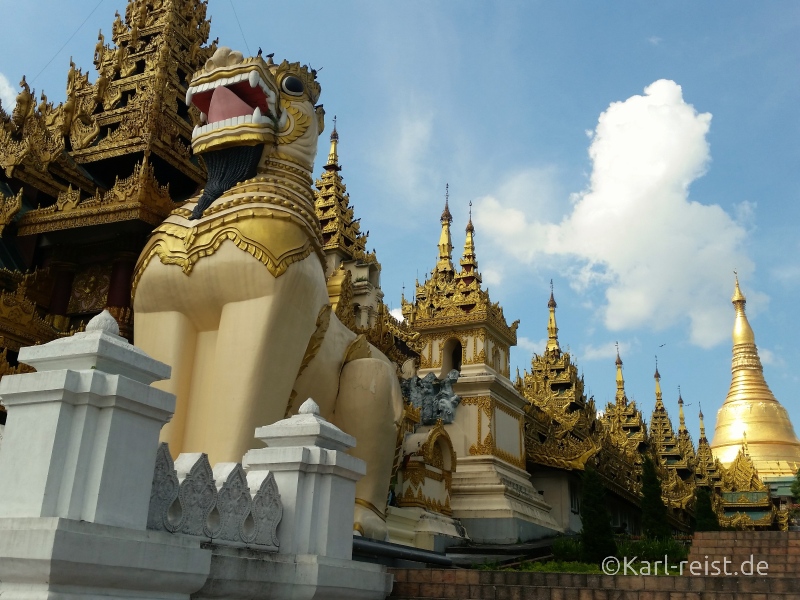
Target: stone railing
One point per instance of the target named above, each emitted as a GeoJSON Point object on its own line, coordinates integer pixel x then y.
{"type": "Point", "coordinates": [223, 504]}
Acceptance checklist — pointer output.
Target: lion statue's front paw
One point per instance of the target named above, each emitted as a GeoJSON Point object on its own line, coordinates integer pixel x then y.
{"type": "Point", "coordinates": [369, 523]}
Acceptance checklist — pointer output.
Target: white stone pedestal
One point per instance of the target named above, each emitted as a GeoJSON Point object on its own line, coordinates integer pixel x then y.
{"type": "Point", "coordinates": [76, 468]}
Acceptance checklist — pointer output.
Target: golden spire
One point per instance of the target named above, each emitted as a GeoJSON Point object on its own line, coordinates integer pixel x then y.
{"type": "Point", "coordinates": [750, 410]}
{"type": "Point", "coordinates": [333, 155]}
{"type": "Point", "coordinates": [742, 332]}
{"type": "Point", "coordinates": [659, 401]}
{"type": "Point", "coordinates": [552, 328]}
{"type": "Point", "coordinates": [702, 425]}
{"type": "Point", "coordinates": [341, 231]}
{"type": "Point", "coordinates": [681, 418]}
{"type": "Point", "coordinates": [445, 262]}
{"type": "Point", "coordinates": [469, 262]}
{"type": "Point", "coordinates": [621, 398]}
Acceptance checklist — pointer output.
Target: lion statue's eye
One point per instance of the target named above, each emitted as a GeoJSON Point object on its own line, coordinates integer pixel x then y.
{"type": "Point", "coordinates": [292, 85]}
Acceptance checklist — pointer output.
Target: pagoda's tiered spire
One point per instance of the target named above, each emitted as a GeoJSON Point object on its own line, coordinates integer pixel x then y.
{"type": "Point", "coordinates": [469, 260]}
{"type": "Point", "coordinates": [552, 327]}
{"type": "Point", "coordinates": [685, 444]}
{"type": "Point", "coordinates": [445, 262]}
{"type": "Point", "coordinates": [341, 233]}
{"type": "Point", "coordinates": [455, 299]}
{"type": "Point", "coordinates": [750, 407]}
{"type": "Point", "coordinates": [333, 155]}
{"type": "Point", "coordinates": [623, 419]}
{"type": "Point", "coordinates": [666, 445]}
{"type": "Point", "coordinates": [620, 397]}
{"type": "Point", "coordinates": [659, 396]}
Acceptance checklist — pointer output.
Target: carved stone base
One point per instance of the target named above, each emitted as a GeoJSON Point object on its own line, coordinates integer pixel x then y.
{"type": "Point", "coordinates": [424, 529]}
{"type": "Point", "coordinates": [45, 558]}
{"type": "Point", "coordinates": [497, 503]}
{"type": "Point", "coordinates": [241, 574]}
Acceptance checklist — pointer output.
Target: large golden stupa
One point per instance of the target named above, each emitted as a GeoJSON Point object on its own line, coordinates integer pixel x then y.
{"type": "Point", "coordinates": [751, 415]}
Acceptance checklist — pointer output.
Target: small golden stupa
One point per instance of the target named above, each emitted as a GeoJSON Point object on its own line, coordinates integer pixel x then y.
{"type": "Point", "coordinates": [751, 412]}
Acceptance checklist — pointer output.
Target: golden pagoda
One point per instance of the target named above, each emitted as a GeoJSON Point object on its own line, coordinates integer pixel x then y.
{"type": "Point", "coordinates": [460, 327]}
{"type": "Point", "coordinates": [751, 411]}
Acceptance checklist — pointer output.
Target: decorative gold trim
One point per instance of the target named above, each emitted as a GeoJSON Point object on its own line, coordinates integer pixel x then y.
{"type": "Point", "coordinates": [370, 506]}
{"type": "Point", "coordinates": [314, 344]}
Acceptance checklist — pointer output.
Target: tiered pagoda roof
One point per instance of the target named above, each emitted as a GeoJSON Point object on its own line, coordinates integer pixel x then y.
{"type": "Point", "coordinates": [623, 419]}
{"type": "Point", "coordinates": [454, 299]}
{"type": "Point", "coordinates": [341, 233]}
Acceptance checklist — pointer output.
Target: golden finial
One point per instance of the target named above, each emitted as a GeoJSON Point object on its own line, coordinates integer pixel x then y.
{"type": "Point", "coordinates": [702, 424]}
{"type": "Point", "coordinates": [737, 292]}
{"type": "Point", "coordinates": [445, 262]}
{"type": "Point", "coordinates": [470, 226]}
{"type": "Point", "coordinates": [552, 327]}
{"type": "Point", "coordinates": [620, 396]}
{"type": "Point", "coordinates": [333, 155]}
{"type": "Point", "coordinates": [681, 418]}
{"type": "Point", "coordinates": [657, 377]}
{"type": "Point", "coordinates": [742, 332]}
{"type": "Point", "coordinates": [446, 216]}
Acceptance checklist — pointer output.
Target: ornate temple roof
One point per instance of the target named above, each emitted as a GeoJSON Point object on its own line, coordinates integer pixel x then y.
{"type": "Point", "coordinates": [451, 298]}
{"type": "Point", "coordinates": [708, 470]}
{"type": "Point", "coordinates": [623, 419]}
{"type": "Point", "coordinates": [751, 409]}
{"type": "Point", "coordinates": [666, 446]}
{"type": "Point", "coordinates": [341, 233]}
{"type": "Point", "coordinates": [98, 157]}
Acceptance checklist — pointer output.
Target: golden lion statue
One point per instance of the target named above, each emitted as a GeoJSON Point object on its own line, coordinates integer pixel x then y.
{"type": "Point", "coordinates": [230, 289]}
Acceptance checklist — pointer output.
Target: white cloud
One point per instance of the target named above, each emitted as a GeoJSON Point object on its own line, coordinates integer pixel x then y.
{"type": "Point", "coordinates": [8, 95]}
{"type": "Point", "coordinates": [531, 346]}
{"type": "Point", "coordinates": [655, 40]}
{"type": "Point", "coordinates": [662, 258]}
{"type": "Point", "coordinates": [604, 351]}
{"type": "Point", "coordinates": [397, 313]}
{"type": "Point", "coordinates": [768, 357]}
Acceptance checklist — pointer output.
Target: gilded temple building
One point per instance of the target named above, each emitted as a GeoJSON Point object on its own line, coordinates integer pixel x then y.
{"type": "Point", "coordinates": [463, 334]}
{"type": "Point", "coordinates": [751, 413]}
{"type": "Point", "coordinates": [83, 182]}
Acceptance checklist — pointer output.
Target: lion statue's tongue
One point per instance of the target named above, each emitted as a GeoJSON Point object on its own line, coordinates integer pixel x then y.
{"type": "Point", "coordinates": [225, 104]}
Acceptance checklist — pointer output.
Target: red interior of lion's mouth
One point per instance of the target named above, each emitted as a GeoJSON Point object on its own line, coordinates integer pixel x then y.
{"type": "Point", "coordinates": [226, 102]}
{"type": "Point", "coordinates": [225, 105]}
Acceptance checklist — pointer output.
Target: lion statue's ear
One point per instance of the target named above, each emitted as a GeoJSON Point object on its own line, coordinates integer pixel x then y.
{"type": "Point", "coordinates": [320, 118]}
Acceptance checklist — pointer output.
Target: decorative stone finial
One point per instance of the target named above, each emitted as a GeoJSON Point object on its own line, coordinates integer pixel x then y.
{"type": "Point", "coordinates": [309, 407]}
{"type": "Point", "coordinates": [104, 322]}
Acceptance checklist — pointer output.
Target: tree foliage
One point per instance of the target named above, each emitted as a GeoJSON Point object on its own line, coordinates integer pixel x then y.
{"type": "Point", "coordinates": [654, 511]}
{"type": "Point", "coordinates": [795, 489]}
{"type": "Point", "coordinates": [705, 517]}
{"type": "Point", "coordinates": [597, 537]}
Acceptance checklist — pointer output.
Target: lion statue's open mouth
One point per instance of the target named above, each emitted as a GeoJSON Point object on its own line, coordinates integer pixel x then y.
{"type": "Point", "coordinates": [237, 100]}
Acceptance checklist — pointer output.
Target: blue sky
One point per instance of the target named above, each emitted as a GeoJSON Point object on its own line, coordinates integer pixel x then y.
{"type": "Point", "coordinates": [635, 154]}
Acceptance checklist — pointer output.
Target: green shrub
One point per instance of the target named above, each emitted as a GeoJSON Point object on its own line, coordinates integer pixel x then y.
{"type": "Point", "coordinates": [597, 537]}
{"type": "Point", "coordinates": [567, 549]}
{"type": "Point", "coordinates": [705, 517]}
{"type": "Point", "coordinates": [651, 550]}
{"type": "Point", "coordinates": [557, 566]}
{"type": "Point", "coordinates": [654, 511]}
